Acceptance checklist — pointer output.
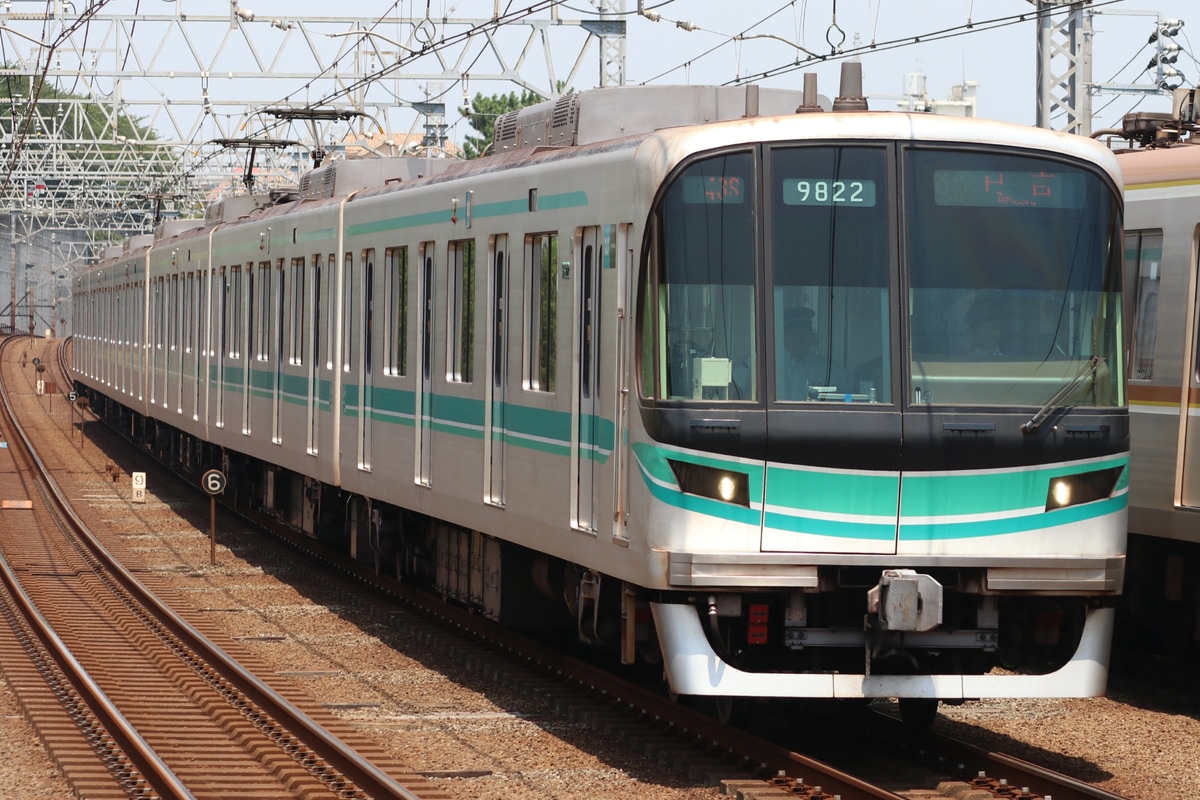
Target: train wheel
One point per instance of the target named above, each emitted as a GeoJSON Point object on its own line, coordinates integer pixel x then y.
{"type": "Point", "coordinates": [730, 710]}
{"type": "Point", "coordinates": [919, 712]}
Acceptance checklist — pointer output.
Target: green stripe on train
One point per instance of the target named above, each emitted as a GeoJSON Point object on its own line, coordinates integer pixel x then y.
{"type": "Point", "coordinates": [870, 505]}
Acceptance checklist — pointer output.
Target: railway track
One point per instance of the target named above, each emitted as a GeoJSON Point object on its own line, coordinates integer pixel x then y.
{"type": "Point", "coordinates": [144, 704]}
{"type": "Point", "coordinates": [763, 764]}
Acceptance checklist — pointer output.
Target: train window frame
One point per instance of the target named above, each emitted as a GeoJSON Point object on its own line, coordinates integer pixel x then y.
{"type": "Point", "coordinates": [1146, 299]}
{"type": "Point", "coordinates": [539, 355]}
{"type": "Point", "coordinates": [396, 317]}
{"type": "Point", "coordinates": [461, 269]}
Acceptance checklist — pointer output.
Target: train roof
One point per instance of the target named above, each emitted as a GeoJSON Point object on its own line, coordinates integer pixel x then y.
{"type": "Point", "coordinates": [1160, 167]}
{"type": "Point", "coordinates": [892, 125]}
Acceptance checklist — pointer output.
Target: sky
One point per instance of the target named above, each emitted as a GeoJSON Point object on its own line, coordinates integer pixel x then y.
{"type": "Point", "coordinates": [769, 42]}
{"type": "Point", "coordinates": [999, 51]}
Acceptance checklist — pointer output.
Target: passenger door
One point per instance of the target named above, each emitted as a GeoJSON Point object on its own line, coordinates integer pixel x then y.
{"type": "Point", "coordinates": [585, 430]}
{"type": "Point", "coordinates": [496, 392]}
{"type": "Point", "coordinates": [423, 410]}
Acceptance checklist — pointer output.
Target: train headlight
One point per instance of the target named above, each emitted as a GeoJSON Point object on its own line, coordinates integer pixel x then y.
{"type": "Point", "coordinates": [712, 482]}
{"type": "Point", "coordinates": [1083, 487]}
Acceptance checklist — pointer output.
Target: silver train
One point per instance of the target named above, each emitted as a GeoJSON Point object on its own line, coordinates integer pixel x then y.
{"type": "Point", "coordinates": [1162, 201]}
{"type": "Point", "coordinates": [689, 372]}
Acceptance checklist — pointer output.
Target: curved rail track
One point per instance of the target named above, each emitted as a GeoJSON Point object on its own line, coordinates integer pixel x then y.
{"type": "Point", "coordinates": [155, 707]}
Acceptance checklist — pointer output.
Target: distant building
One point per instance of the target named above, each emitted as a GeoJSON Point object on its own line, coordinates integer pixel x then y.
{"type": "Point", "coordinates": [961, 103]}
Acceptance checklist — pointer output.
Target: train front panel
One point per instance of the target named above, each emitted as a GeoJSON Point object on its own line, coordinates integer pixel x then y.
{"type": "Point", "coordinates": [881, 385]}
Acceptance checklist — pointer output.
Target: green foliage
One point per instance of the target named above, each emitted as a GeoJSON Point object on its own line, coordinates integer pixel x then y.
{"type": "Point", "coordinates": [483, 112]}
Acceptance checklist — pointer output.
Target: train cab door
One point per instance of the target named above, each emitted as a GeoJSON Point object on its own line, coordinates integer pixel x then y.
{"type": "Point", "coordinates": [424, 444]}
{"type": "Point", "coordinates": [618, 256]}
{"type": "Point", "coordinates": [586, 419]}
{"type": "Point", "coordinates": [496, 393]}
{"type": "Point", "coordinates": [1187, 488]}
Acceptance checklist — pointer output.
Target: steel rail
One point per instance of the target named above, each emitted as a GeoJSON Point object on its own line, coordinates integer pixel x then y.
{"type": "Point", "coordinates": [323, 744]}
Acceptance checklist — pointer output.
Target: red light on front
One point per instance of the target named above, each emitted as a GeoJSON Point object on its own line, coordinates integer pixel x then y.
{"type": "Point", "coordinates": [756, 630]}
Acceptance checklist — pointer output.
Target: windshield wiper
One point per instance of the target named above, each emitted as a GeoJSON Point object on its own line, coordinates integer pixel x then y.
{"type": "Point", "coordinates": [1035, 422]}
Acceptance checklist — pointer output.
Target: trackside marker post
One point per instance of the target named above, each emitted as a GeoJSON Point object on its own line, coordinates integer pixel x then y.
{"type": "Point", "coordinates": [213, 482]}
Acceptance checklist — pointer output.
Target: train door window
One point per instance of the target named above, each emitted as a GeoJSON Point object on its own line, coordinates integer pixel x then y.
{"type": "Point", "coordinates": [460, 311]}
{"type": "Point", "coordinates": [296, 334]}
{"type": "Point", "coordinates": [541, 311]}
{"type": "Point", "coordinates": [347, 312]}
{"type": "Point", "coordinates": [188, 287]}
{"type": "Point", "coordinates": [426, 310]}
{"type": "Point", "coordinates": [316, 307]}
{"type": "Point", "coordinates": [253, 317]}
{"type": "Point", "coordinates": [277, 321]}
{"type": "Point", "coordinates": [702, 316]}
{"type": "Point", "coordinates": [396, 322]}
{"type": "Point", "coordinates": [368, 312]}
{"type": "Point", "coordinates": [173, 314]}
{"type": "Point", "coordinates": [223, 288]}
{"type": "Point", "coordinates": [266, 301]}
{"type": "Point", "coordinates": [1144, 250]}
{"type": "Point", "coordinates": [331, 353]}
{"type": "Point", "coordinates": [234, 313]}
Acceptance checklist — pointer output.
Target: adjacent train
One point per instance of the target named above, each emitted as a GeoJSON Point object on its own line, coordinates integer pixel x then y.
{"type": "Point", "coordinates": [787, 401]}
{"type": "Point", "coordinates": [1162, 201]}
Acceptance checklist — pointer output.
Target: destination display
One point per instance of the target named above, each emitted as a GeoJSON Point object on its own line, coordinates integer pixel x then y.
{"type": "Point", "coordinates": [714, 189]}
{"type": "Point", "coordinates": [1015, 188]}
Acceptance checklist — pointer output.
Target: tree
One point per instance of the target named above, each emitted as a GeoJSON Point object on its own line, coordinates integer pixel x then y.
{"type": "Point", "coordinates": [483, 112]}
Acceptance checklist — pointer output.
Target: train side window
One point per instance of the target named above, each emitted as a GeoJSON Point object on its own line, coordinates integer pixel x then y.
{"type": "Point", "coordinates": [541, 311]}
{"type": "Point", "coordinates": [234, 337]}
{"type": "Point", "coordinates": [460, 311]}
{"type": "Point", "coordinates": [396, 356]}
{"type": "Point", "coordinates": [1143, 252]}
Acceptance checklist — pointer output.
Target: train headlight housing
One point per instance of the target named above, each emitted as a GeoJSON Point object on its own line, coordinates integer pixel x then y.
{"type": "Point", "coordinates": [1083, 487]}
{"type": "Point", "coordinates": [712, 482]}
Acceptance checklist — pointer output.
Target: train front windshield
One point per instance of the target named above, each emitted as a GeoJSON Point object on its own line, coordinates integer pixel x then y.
{"type": "Point", "coordinates": [1008, 265]}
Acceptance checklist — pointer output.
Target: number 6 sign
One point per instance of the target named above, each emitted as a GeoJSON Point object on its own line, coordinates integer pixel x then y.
{"type": "Point", "coordinates": [213, 481]}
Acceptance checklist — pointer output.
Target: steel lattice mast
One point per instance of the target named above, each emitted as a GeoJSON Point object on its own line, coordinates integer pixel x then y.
{"type": "Point", "coordinates": [113, 115]}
